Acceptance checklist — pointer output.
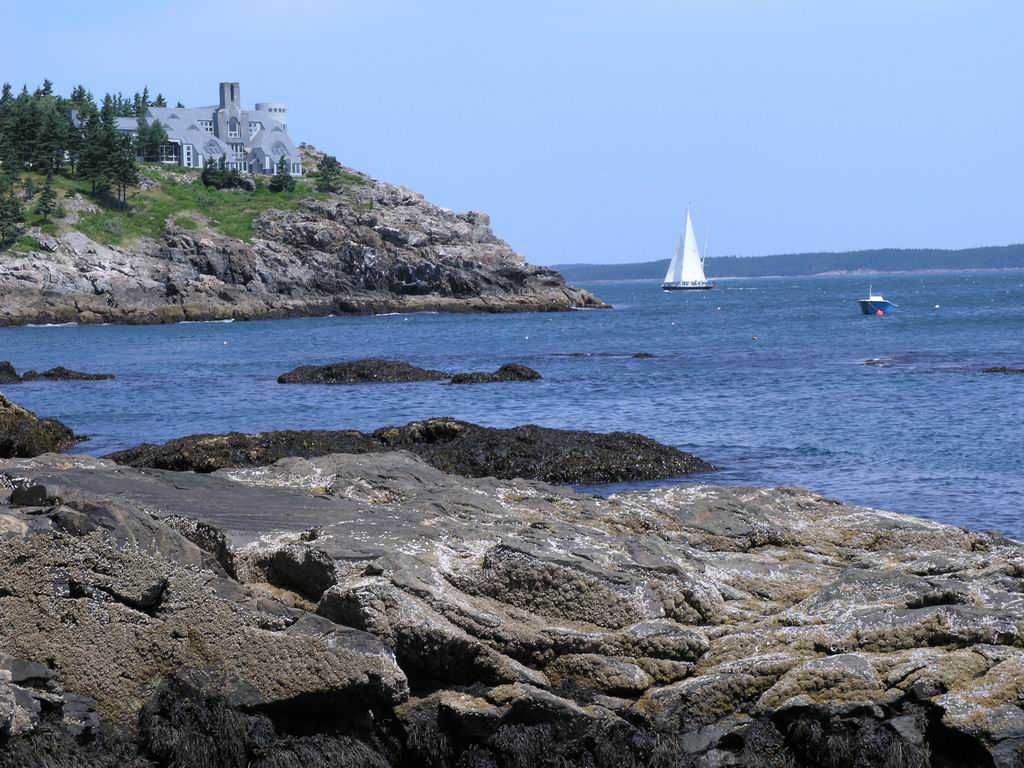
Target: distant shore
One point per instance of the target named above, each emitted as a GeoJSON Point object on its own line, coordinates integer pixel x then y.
{"type": "Point", "coordinates": [840, 273]}
{"type": "Point", "coordinates": [864, 262]}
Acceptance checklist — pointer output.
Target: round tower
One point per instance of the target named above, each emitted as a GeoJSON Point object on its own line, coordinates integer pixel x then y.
{"type": "Point", "coordinates": [276, 109]}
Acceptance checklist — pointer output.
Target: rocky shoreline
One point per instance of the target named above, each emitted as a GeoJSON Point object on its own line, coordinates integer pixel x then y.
{"type": "Point", "coordinates": [372, 610]}
{"type": "Point", "coordinates": [376, 248]}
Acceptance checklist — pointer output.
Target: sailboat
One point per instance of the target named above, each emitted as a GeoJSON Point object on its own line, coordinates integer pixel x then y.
{"type": "Point", "coordinates": [686, 270]}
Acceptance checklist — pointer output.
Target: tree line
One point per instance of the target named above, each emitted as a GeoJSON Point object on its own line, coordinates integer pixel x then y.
{"type": "Point", "coordinates": [37, 135]}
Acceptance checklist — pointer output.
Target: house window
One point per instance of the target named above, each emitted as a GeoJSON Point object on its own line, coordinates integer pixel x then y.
{"type": "Point", "coordinates": [255, 128]}
{"type": "Point", "coordinates": [168, 153]}
{"type": "Point", "coordinates": [296, 169]}
{"type": "Point", "coordinates": [233, 128]}
{"type": "Point", "coordinates": [188, 155]}
{"type": "Point", "coordinates": [206, 125]}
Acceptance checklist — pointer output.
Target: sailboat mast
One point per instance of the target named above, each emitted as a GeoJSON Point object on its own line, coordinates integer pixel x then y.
{"type": "Point", "coordinates": [704, 255]}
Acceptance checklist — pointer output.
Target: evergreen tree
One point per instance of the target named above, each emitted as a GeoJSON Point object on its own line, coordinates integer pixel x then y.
{"type": "Point", "coordinates": [283, 180]}
{"type": "Point", "coordinates": [7, 149]}
{"type": "Point", "coordinates": [92, 162]}
{"type": "Point", "coordinates": [160, 101]}
{"type": "Point", "coordinates": [102, 143]}
{"type": "Point", "coordinates": [75, 133]}
{"type": "Point", "coordinates": [11, 215]}
{"type": "Point", "coordinates": [154, 138]}
{"type": "Point", "coordinates": [124, 167]}
{"type": "Point", "coordinates": [23, 127]}
{"type": "Point", "coordinates": [80, 97]}
{"type": "Point", "coordinates": [47, 199]}
{"type": "Point", "coordinates": [142, 137]}
{"type": "Point", "coordinates": [329, 174]}
{"type": "Point", "coordinates": [179, 105]}
{"type": "Point", "coordinates": [51, 136]}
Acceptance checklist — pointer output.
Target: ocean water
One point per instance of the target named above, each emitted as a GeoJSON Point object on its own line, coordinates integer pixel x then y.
{"type": "Point", "coordinates": [765, 378]}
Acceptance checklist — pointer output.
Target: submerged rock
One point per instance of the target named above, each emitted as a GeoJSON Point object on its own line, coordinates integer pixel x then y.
{"type": "Point", "coordinates": [23, 434]}
{"type": "Point", "coordinates": [531, 452]}
{"type": "Point", "coordinates": [507, 372]}
{"type": "Point", "coordinates": [371, 610]}
{"type": "Point", "coordinates": [369, 371]}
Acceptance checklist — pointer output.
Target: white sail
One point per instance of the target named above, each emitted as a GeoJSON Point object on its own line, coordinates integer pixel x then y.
{"type": "Point", "coordinates": [675, 266]}
{"type": "Point", "coordinates": [692, 266]}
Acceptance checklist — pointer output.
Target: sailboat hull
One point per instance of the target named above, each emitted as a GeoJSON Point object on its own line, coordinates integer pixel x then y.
{"type": "Point", "coordinates": [687, 286]}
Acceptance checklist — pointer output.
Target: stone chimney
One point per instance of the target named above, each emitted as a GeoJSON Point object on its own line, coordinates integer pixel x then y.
{"type": "Point", "coordinates": [230, 95]}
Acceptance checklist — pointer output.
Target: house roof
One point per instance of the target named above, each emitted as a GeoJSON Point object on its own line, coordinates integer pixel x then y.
{"type": "Point", "coordinates": [183, 125]}
{"type": "Point", "coordinates": [273, 140]}
{"type": "Point", "coordinates": [126, 123]}
{"type": "Point", "coordinates": [164, 114]}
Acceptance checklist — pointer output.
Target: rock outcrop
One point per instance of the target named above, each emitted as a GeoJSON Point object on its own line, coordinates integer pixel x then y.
{"type": "Point", "coordinates": [8, 375]}
{"type": "Point", "coordinates": [371, 610]}
{"type": "Point", "coordinates": [376, 248]}
{"type": "Point", "coordinates": [1004, 369]}
{"type": "Point", "coordinates": [535, 453]}
{"type": "Point", "coordinates": [377, 371]}
{"type": "Point", "coordinates": [507, 372]}
{"type": "Point", "coordinates": [23, 434]}
{"type": "Point", "coordinates": [369, 371]}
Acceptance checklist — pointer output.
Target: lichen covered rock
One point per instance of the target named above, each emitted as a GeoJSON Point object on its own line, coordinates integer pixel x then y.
{"type": "Point", "coordinates": [23, 434]}
{"type": "Point", "coordinates": [370, 609]}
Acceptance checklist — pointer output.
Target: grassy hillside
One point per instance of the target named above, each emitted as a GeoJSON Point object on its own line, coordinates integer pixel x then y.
{"type": "Point", "coordinates": [789, 264]}
{"type": "Point", "coordinates": [167, 193]}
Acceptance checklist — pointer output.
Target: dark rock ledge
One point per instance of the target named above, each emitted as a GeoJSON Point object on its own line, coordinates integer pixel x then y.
{"type": "Point", "coordinates": [376, 371]}
{"type": "Point", "coordinates": [374, 611]}
{"type": "Point", "coordinates": [507, 372]}
{"type": "Point", "coordinates": [530, 452]}
{"type": "Point", "coordinates": [1004, 369]}
{"type": "Point", "coordinates": [369, 371]}
{"type": "Point", "coordinates": [8, 375]}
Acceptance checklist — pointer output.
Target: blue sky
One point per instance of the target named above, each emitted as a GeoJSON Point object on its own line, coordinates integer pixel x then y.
{"type": "Point", "coordinates": [584, 128]}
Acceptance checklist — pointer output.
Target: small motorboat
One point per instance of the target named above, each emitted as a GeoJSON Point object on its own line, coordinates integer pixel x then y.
{"type": "Point", "coordinates": [876, 304]}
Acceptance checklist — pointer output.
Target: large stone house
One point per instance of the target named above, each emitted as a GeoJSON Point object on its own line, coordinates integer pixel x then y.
{"type": "Point", "coordinates": [248, 140]}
